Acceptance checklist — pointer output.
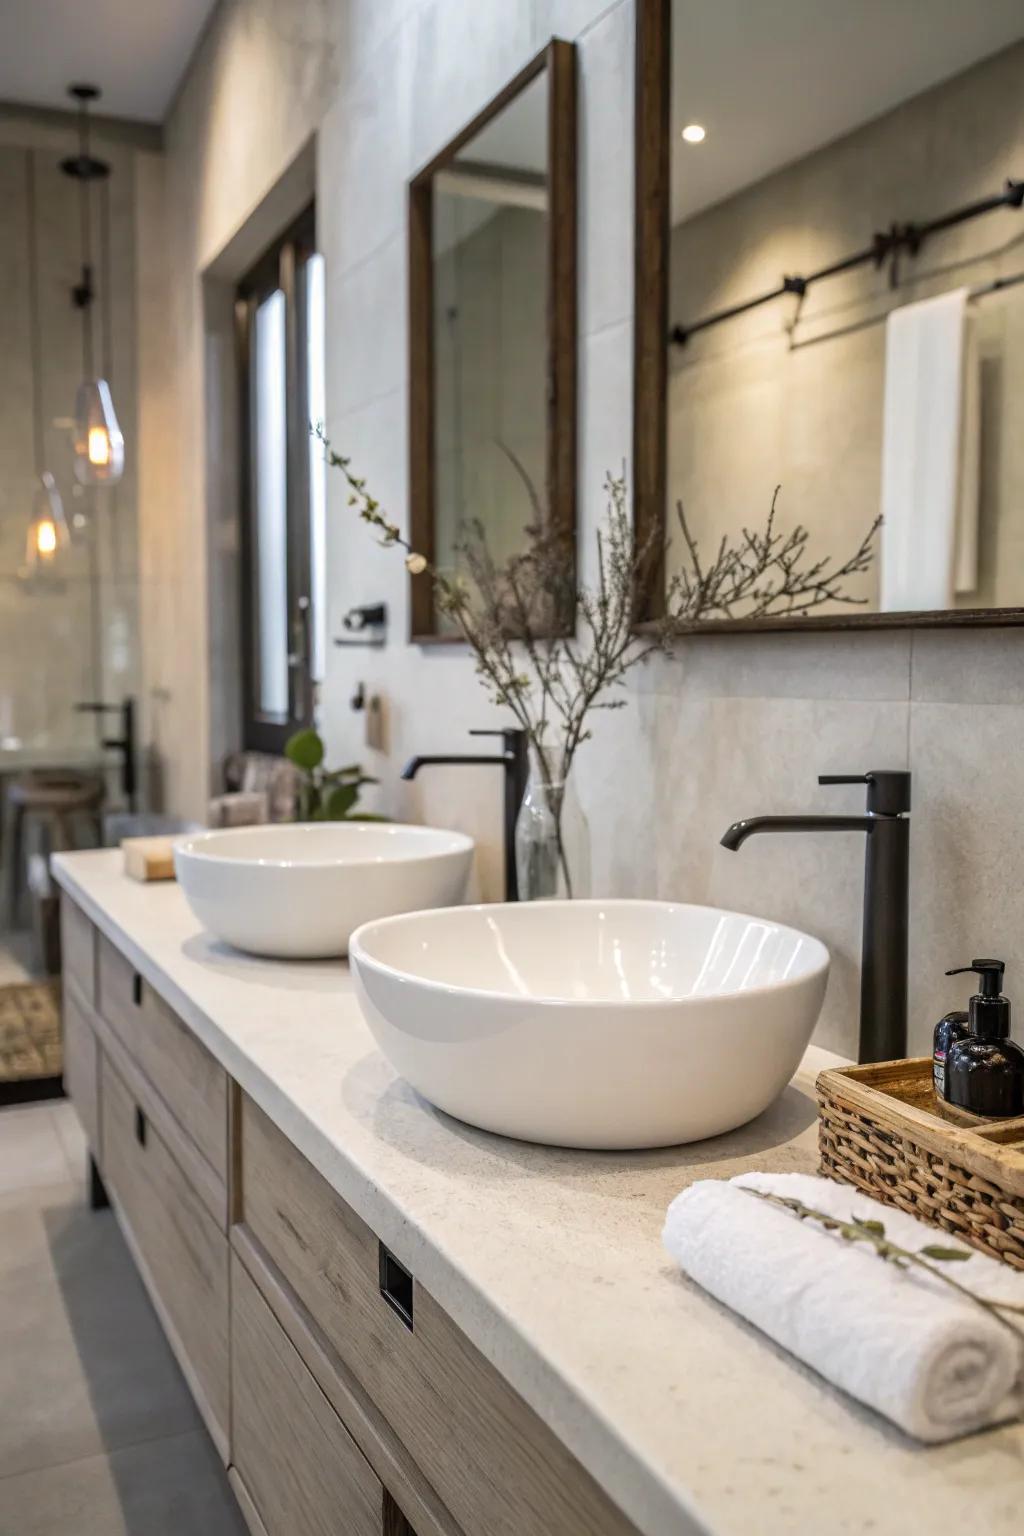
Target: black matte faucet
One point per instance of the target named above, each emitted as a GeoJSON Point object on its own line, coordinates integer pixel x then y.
{"type": "Point", "coordinates": [123, 745]}
{"type": "Point", "coordinates": [883, 975]}
{"type": "Point", "coordinates": [516, 763]}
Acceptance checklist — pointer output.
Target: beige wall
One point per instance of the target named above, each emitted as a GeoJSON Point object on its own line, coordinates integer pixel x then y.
{"type": "Point", "coordinates": [749, 411]}
{"type": "Point", "coordinates": [75, 637]}
{"type": "Point", "coordinates": [723, 728]}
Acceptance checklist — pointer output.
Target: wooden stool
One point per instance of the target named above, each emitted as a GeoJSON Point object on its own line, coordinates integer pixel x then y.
{"type": "Point", "coordinates": [53, 798]}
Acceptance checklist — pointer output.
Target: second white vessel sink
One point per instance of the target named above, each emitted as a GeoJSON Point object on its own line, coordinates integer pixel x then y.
{"type": "Point", "coordinates": [296, 891]}
{"type": "Point", "coordinates": [612, 1024]}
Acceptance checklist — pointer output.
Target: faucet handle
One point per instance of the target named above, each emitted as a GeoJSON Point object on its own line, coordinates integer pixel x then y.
{"type": "Point", "coordinates": [888, 788]}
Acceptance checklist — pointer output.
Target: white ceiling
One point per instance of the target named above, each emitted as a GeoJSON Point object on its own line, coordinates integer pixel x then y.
{"type": "Point", "coordinates": [135, 50]}
{"type": "Point", "coordinates": [772, 80]}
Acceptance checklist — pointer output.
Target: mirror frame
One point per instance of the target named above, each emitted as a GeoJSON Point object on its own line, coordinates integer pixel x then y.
{"type": "Point", "coordinates": [652, 172]}
{"type": "Point", "coordinates": [559, 59]}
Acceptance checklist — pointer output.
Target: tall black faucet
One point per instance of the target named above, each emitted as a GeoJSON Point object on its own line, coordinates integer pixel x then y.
{"type": "Point", "coordinates": [123, 745]}
{"type": "Point", "coordinates": [883, 973]}
{"type": "Point", "coordinates": [515, 760]}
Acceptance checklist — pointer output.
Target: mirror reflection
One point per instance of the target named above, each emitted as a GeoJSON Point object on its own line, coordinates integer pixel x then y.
{"type": "Point", "coordinates": [846, 296]}
{"type": "Point", "coordinates": [490, 244]}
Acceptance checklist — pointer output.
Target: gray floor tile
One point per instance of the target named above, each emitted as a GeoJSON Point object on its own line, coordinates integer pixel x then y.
{"type": "Point", "coordinates": [169, 1487]}
{"type": "Point", "coordinates": [31, 1152]}
{"type": "Point", "coordinates": [72, 1138]}
{"type": "Point", "coordinates": [98, 1433]}
{"type": "Point", "coordinates": [83, 1360]}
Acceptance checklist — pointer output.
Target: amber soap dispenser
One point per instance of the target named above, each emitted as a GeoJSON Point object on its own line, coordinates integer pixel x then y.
{"type": "Point", "coordinates": [985, 1071]}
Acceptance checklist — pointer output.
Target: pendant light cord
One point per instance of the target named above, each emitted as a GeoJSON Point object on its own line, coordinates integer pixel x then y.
{"type": "Point", "coordinates": [35, 345]}
{"type": "Point", "coordinates": [106, 289]}
{"type": "Point", "coordinates": [86, 236]}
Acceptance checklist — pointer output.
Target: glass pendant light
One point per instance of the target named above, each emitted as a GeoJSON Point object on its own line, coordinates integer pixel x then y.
{"type": "Point", "coordinates": [99, 444]}
{"type": "Point", "coordinates": [48, 535]}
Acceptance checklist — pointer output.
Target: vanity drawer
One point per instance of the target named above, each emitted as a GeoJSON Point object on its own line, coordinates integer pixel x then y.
{"type": "Point", "coordinates": [492, 1462]}
{"type": "Point", "coordinates": [78, 948]}
{"type": "Point", "coordinates": [183, 1254]}
{"type": "Point", "coordinates": [81, 1066]}
{"type": "Point", "coordinates": [300, 1468]}
{"type": "Point", "coordinates": [192, 1084]}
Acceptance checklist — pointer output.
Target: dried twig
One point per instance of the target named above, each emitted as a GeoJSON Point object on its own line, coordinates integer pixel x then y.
{"type": "Point", "coordinates": [551, 652]}
{"type": "Point", "coordinates": [873, 1233]}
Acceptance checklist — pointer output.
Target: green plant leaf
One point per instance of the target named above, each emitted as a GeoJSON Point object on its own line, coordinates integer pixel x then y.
{"type": "Point", "coordinates": [875, 1227]}
{"type": "Point", "coordinates": [936, 1251]}
{"type": "Point", "coordinates": [340, 801]}
{"type": "Point", "coordinates": [305, 749]}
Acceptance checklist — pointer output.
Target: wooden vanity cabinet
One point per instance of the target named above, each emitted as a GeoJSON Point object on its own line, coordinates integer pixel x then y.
{"type": "Point", "coordinates": [298, 1464]}
{"type": "Point", "coordinates": [192, 1084]}
{"type": "Point", "coordinates": [182, 1253]}
{"type": "Point", "coordinates": [82, 1067]}
{"type": "Point", "coordinates": [342, 1397]}
{"type": "Point", "coordinates": [153, 1105]}
{"type": "Point", "coordinates": [492, 1463]}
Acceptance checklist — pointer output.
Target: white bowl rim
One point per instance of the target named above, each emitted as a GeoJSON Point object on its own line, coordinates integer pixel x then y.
{"type": "Point", "coordinates": [357, 953]}
{"type": "Point", "coordinates": [190, 844]}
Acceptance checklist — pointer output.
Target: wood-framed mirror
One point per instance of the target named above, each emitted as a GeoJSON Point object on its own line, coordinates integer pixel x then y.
{"type": "Point", "coordinates": [829, 270]}
{"type": "Point", "coordinates": [492, 329]}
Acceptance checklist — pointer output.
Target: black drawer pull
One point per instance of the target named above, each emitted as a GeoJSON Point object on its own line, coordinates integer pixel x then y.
{"type": "Point", "coordinates": [396, 1286]}
{"type": "Point", "coordinates": [137, 989]}
{"type": "Point", "coordinates": [140, 1126]}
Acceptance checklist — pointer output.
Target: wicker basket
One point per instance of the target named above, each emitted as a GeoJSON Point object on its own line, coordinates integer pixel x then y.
{"type": "Point", "coordinates": [882, 1128]}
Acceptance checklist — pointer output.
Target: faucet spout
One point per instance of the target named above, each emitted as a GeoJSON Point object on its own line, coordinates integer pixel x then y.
{"type": "Point", "coordinates": [883, 980]}
{"type": "Point", "coordinates": [736, 835]}
{"type": "Point", "coordinates": [514, 761]}
{"type": "Point", "coordinates": [414, 764]}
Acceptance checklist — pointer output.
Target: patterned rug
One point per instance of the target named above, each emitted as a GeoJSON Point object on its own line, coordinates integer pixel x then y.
{"type": "Point", "coordinates": [30, 1041]}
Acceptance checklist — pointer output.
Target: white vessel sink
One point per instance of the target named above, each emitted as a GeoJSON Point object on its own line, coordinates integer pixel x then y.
{"type": "Point", "coordinates": [297, 891]}
{"type": "Point", "coordinates": [609, 1024]}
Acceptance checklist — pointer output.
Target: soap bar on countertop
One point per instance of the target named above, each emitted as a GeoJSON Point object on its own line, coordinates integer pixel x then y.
{"type": "Point", "coordinates": [148, 858]}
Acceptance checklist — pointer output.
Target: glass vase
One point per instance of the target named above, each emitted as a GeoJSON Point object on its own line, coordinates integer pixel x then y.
{"type": "Point", "coordinates": [552, 843]}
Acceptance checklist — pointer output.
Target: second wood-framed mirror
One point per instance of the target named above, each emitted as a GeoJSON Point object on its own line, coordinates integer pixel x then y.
{"type": "Point", "coordinates": [492, 330]}
{"type": "Point", "coordinates": [830, 301]}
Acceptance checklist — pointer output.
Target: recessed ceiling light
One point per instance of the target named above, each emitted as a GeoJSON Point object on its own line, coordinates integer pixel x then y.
{"type": "Point", "coordinates": [693, 133]}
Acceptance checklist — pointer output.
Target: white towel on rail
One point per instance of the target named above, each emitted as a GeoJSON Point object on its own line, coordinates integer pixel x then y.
{"type": "Point", "coordinates": [930, 428]}
{"type": "Point", "coordinates": [901, 1342]}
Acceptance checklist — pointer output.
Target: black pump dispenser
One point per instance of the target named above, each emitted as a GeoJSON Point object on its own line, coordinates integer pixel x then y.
{"type": "Point", "coordinates": [985, 1072]}
{"type": "Point", "coordinates": [988, 1010]}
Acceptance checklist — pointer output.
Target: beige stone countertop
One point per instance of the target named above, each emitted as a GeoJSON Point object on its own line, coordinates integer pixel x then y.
{"type": "Point", "coordinates": [551, 1261]}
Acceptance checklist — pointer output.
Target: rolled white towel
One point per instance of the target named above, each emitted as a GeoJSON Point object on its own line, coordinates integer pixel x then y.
{"type": "Point", "coordinates": [896, 1339]}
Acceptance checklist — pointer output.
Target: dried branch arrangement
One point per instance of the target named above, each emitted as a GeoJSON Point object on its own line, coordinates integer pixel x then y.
{"type": "Point", "coordinates": [762, 574]}
{"type": "Point", "coordinates": [551, 652]}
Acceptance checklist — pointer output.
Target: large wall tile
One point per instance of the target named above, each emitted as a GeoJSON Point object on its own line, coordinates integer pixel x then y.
{"type": "Point", "coordinates": [464, 54]}
{"type": "Point", "coordinates": [605, 159]}
{"type": "Point", "coordinates": [572, 18]}
{"type": "Point", "coordinates": [722, 759]}
{"type": "Point", "coordinates": [366, 316]}
{"type": "Point", "coordinates": [965, 890]}
{"type": "Point", "coordinates": [605, 433]}
{"type": "Point", "coordinates": [968, 666]}
{"type": "Point", "coordinates": [869, 666]}
{"type": "Point", "coordinates": [615, 782]}
{"type": "Point", "coordinates": [365, 147]}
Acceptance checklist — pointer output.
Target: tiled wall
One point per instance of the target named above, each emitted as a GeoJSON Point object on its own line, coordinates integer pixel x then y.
{"type": "Point", "coordinates": [727, 726]}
